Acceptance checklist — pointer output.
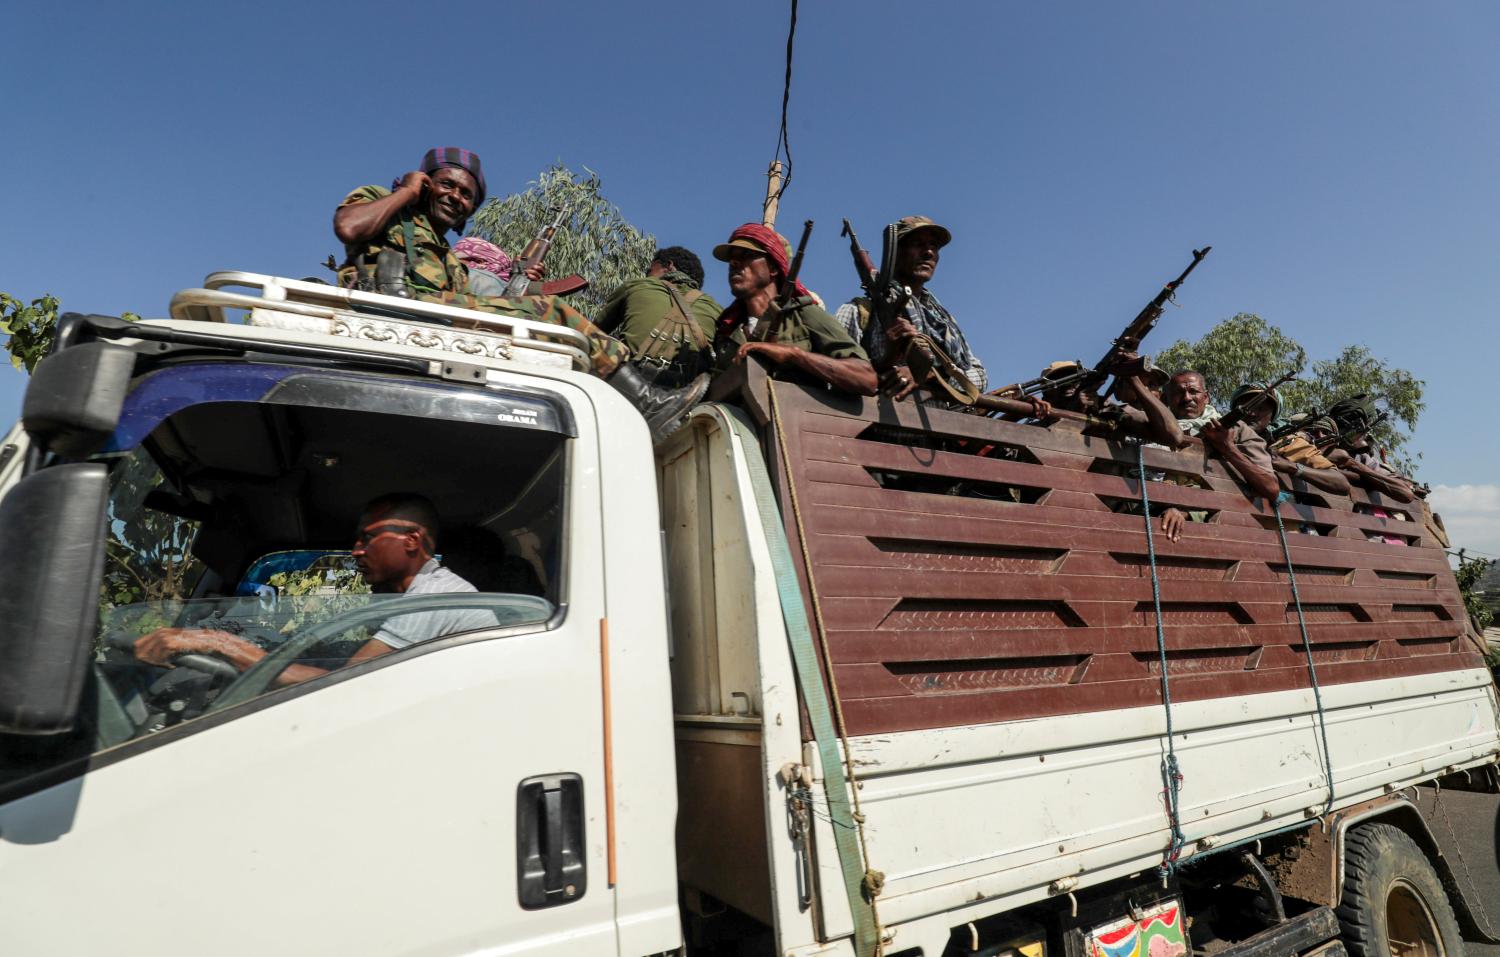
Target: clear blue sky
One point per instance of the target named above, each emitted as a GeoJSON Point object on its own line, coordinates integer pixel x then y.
{"type": "Point", "coordinates": [1340, 157]}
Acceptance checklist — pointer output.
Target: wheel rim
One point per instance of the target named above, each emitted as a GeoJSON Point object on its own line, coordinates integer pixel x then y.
{"type": "Point", "coordinates": [1410, 928]}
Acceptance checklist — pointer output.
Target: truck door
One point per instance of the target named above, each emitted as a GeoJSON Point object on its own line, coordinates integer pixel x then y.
{"type": "Point", "coordinates": [443, 797]}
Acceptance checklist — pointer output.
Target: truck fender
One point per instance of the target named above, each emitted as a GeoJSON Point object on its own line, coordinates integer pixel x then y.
{"type": "Point", "coordinates": [1317, 873]}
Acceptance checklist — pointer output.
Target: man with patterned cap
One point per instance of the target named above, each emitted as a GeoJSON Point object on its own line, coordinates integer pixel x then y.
{"type": "Point", "coordinates": [395, 243]}
{"type": "Point", "coordinates": [918, 241]}
{"type": "Point", "coordinates": [805, 339]}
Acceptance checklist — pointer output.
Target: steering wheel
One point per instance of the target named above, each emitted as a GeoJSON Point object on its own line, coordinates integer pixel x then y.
{"type": "Point", "coordinates": [210, 665]}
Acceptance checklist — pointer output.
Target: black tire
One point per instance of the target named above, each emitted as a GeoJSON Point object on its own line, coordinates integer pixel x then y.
{"type": "Point", "coordinates": [1390, 884]}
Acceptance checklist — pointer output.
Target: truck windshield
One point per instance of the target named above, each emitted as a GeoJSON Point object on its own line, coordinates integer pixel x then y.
{"type": "Point", "coordinates": [242, 557]}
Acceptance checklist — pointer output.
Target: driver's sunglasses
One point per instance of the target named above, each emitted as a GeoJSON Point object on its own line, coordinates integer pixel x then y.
{"type": "Point", "coordinates": [369, 533]}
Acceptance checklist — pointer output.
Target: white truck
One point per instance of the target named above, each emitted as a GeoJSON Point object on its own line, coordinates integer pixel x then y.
{"type": "Point", "coordinates": [818, 675]}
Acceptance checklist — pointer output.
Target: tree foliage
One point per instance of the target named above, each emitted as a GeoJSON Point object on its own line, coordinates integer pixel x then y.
{"type": "Point", "coordinates": [1469, 572]}
{"type": "Point", "coordinates": [29, 328]}
{"type": "Point", "coordinates": [595, 241]}
{"type": "Point", "coordinates": [1245, 348]}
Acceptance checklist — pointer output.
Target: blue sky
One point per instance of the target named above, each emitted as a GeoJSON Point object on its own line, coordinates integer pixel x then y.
{"type": "Point", "coordinates": [1338, 156]}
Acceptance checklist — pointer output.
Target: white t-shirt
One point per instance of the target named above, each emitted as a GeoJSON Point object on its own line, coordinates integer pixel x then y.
{"type": "Point", "coordinates": [434, 579]}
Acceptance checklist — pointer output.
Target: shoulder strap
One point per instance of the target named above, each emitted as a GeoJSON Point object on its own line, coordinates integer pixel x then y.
{"type": "Point", "coordinates": [409, 233]}
{"type": "Point", "coordinates": [699, 339]}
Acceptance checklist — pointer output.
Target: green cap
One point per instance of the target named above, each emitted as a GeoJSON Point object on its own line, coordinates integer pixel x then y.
{"type": "Point", "coordinates": [1249, 391]}
{"type": "Point", "coordinates": [1353, 412]}
{"type": "Point", "coordinates": [907, 225]}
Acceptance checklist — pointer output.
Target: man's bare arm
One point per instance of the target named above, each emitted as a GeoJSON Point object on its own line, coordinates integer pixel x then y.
{"type": "Point", "coordinates": [855, 376]}
{"type": "Point", "coordinates": [361, 222]}
{"type": "Point", "coordinates": [162, 645]}
{"type": "Point", "coordinates": [1261, 482]}
{"type": "Point", "coordinates": [1161, 424]}
{"type": "Point", "coordinates": [1329, 480]}
{"type": "Point", "coordinates": [1371, 478]}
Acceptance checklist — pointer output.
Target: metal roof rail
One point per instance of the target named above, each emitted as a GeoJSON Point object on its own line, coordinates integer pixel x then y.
{"type": "Point", "coordinates": [313, 307]}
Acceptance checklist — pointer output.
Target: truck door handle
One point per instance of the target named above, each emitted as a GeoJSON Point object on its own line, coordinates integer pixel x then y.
{"type": "Point", "coordinates": [550, 861]}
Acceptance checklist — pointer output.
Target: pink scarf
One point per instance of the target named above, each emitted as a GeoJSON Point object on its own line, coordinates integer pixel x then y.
{"type": "Point", "coordinates": [476, 253]}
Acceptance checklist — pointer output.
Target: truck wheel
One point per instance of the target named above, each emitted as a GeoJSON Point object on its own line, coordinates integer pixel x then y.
{"type": "Point", "coordinates": [1394, 904]}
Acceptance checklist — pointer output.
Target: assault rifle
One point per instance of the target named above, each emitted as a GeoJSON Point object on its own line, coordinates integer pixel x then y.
{"type": "Point", "coordinates": [1127, 341]}
{"type": "Point", "coordinates": [1045, 384]}
{"type": "Point", "coordinates": [1339, 438]}
{"type": "Point", "coordinates": [1301, 421]}
{"type": "Point", "coordinates": [533, 254]}
{"type": "Point", "coordinates": [887, 297]}
{"type": "Point", "coordinates": [1145, 320]}
{"type": "Point", "coordinates": [1240, 414]}
{"type": "Point", "coordinates": [789, 302]}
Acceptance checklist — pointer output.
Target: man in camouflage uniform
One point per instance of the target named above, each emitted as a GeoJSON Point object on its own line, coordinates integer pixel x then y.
{"type": "Point", "coordinates": [806, 339]}
{"type": "Point", "coordinates": [919, 240]}
{"type": "Point", "coordinates": [665, 318]}
{"type": "Point", "coordinates": [395, 243]}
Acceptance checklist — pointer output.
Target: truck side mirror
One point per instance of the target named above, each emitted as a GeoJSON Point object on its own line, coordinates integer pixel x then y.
{"type": "Point", "coordinates": [52, 539]}
{"type": "Point", "coordinates": [73, 401]}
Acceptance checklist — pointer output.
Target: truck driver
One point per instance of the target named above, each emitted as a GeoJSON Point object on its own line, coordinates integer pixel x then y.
{"type": "Point", "coordinates": [394, 544]}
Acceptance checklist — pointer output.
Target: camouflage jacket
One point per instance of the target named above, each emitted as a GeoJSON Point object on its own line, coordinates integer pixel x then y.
{"type": "Point", "coordinates": [431, 265]}
{"type": "Point", "coordinates": [643, 314]}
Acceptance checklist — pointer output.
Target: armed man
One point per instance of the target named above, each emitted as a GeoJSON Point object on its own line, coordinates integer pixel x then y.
{"type": "Point", "coordinates": [665, 318]}
{"type": "Point", "coordinates": [395, 243]}
{"type": "Point", "coordinates": [1319, 449]}
{"type": "Point", "coordinates": [1242, 450]}
{"type": "Point", "coordinates": [918, 245]}
{"type": "Point", "coordinates": [774, 316]}
{"type": "Point", "coordinates": [1356, 417]}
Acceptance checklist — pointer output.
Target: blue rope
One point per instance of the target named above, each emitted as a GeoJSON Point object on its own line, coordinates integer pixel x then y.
{"type": "Point", "coordinates": [1312, 668]}
{"type": "Point", "coordinates": [1171, 774]}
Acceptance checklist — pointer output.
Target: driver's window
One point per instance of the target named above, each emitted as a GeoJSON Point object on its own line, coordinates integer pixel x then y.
{"type": "Point", "coordinates": [148, 557]}
{"type": "Point", "coordinates": [236, 569]}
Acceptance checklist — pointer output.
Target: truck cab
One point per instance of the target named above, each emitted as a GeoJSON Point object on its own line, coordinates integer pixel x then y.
{"type": "Point", "coordinates": [435, 795]}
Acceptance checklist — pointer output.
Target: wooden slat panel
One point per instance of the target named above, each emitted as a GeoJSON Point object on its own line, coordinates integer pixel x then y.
{"type": "Point", "coordinates": [950, 609]}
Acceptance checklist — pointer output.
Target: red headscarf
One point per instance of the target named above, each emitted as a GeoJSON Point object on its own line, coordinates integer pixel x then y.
{"type": "Point", "coordinates": [770, 242]}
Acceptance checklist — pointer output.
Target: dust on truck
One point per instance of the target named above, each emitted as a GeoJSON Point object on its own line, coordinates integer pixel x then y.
{"type": "Point", "coordinates": [817, 675]}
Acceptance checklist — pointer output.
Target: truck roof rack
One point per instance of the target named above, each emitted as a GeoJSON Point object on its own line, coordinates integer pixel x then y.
{"type": "Point", "coordinates": [294, 305]}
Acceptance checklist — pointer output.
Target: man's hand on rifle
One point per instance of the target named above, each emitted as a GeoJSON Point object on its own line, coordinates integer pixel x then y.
{"type": "Point", "coordinates": [1215, 434]}
{"type": "Point", "coordinates": [901, 332]}
{"type": "Point", "coordinates": [536, 272]}
{"type": "Point", "coordinates": [898, 382]}
{"type": "Point", "coordinates": [1128, 364]}
{"type": "Point", "coordinates": [1040, 407]}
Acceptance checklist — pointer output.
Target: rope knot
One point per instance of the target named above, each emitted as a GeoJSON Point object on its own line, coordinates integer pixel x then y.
{"type": "Point", "coordinates": [873, 883]}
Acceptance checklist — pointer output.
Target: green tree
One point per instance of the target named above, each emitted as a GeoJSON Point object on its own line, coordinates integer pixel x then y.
{"type": "Point", "coordinates": [29, 328]}
{"type": "Point", "coordinates": [1246, 348]}
{"type": "Point", "coordinates": [595, 241]}
{"type": "Point", "coordinates": [1469, 572]}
